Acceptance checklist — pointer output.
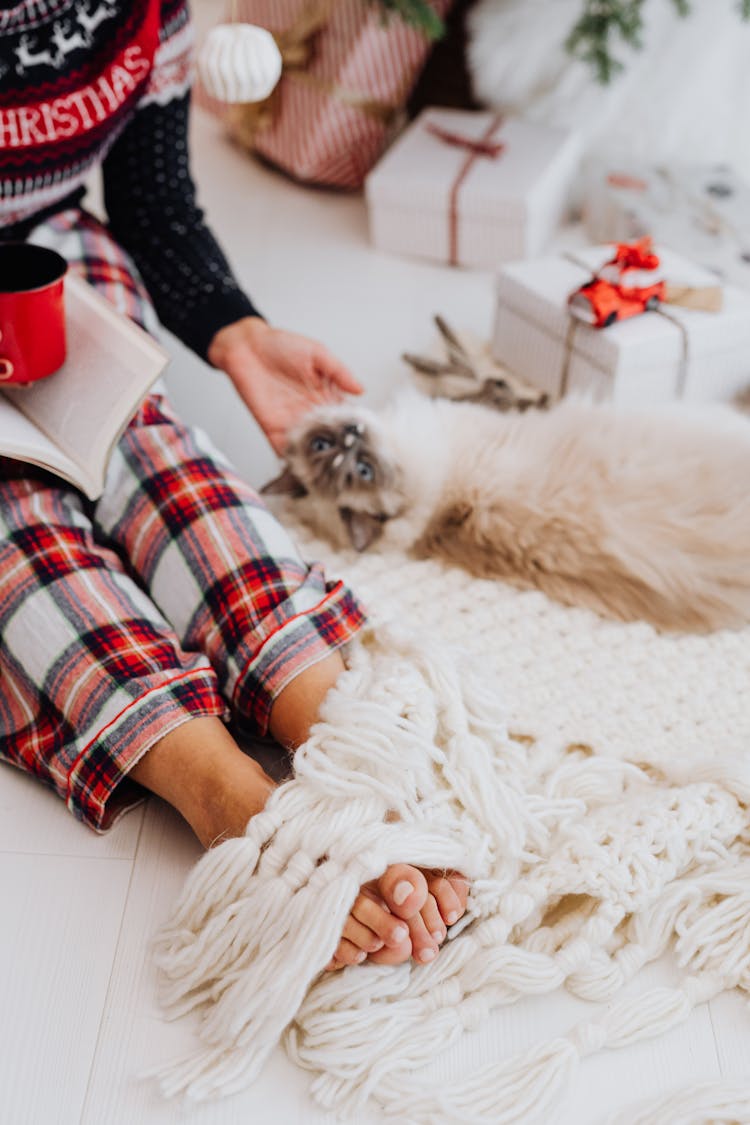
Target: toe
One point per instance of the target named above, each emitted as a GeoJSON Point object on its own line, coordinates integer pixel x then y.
{"type": "Point", "coordinates": [362, 936]}
{"type": "Point", "coordinates": [347, 953]}
{"type": "Point", "coordinates": [392, 955]}
{"type": "Point", "coordinates": [424, 947]}
{"type": "Point", "coordinates": [371, 911]}
{"type": "Point", "coordinates": [404, 890]}
{"type": "Point", "coordinates": [449, 892]}
{"type": "Point", "coordinates": [433, 921]}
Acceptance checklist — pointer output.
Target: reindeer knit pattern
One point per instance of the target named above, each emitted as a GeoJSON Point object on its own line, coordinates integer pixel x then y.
{"type": "Point", "coordinates": [590, 778]}
{"type": "Point", "coordinates": [72, 74]}
{"type": "Point", "coordinates": [106, 82]}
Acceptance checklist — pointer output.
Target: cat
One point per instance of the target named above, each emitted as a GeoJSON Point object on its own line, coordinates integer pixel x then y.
{"type": "Point", "coordinates": [638, 515]}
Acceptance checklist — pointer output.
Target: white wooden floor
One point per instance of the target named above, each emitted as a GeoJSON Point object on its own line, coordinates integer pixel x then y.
{"type": "Point", "coordinates": [78, 1018]}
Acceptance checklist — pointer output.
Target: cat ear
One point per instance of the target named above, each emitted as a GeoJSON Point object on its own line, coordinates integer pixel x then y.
{"type": "Point", "coordinates": [362, 527]}
{"type": "Point", "coordinates": [287, 484]}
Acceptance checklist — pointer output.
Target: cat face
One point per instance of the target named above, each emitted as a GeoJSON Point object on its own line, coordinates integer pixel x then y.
{"type": "Point", "coordinates": [338, 468]}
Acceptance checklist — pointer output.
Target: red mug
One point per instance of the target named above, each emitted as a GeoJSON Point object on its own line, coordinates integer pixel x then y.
{"type": "Point", "coordinates": [32, 312]}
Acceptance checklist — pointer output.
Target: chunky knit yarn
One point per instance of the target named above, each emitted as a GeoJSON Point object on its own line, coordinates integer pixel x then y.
{"type": "Point", "coordinates": [590, 778]}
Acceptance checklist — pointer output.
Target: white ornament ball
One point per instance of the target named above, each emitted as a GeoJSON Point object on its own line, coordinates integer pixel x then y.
{"type": "Point", "coordinates": [239, 63]}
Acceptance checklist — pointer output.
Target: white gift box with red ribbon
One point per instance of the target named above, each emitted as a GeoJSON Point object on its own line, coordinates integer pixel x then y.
{"type": "Point", "coordinates": [650, 358]}
{"type": "Point", "coordinates": [471, 189]}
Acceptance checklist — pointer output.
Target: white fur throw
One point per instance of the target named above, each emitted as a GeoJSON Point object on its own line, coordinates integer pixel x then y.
{"type": "Point", "coordinates": [592, 780]}
{"type": "Point", "coordinates": [681, 99]}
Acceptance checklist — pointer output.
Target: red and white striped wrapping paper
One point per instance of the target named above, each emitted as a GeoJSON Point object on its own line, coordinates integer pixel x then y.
{"type": "Point", "coordinates": [317, 135]}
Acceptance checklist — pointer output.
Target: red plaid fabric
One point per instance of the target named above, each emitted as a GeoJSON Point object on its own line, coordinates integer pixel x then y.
{"type": "Point", "coordinates": [92, 253]}
{"type": "Point", "coordinates": [175, 595]}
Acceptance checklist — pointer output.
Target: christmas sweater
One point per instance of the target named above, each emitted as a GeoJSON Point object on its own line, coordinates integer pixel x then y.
{"type": "Point", "coordinates": [106, 82]}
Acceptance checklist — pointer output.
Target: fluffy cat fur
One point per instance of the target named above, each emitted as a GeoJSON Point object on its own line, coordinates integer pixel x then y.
{"type": "Point", "coordinates": [636, 515]}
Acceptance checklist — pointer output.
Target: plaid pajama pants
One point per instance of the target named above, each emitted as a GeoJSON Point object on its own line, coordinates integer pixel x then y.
{"type": "Point", "coordinates": [175, 595]}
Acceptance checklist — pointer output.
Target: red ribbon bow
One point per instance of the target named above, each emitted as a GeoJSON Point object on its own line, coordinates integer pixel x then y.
{"type": "Point", "coordinates": [478, 147]}
{"type": "Point", "coordinates": [636, 255]}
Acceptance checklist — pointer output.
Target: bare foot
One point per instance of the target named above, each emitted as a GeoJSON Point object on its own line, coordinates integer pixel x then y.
{"type": "Point", "coordinates": [405, 913]}
{"type": "Point", "coordinates": [200, 770]}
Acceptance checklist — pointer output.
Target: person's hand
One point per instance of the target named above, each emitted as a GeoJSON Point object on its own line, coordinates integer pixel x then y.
{"type": "Point", "coordinates": [279, 375]}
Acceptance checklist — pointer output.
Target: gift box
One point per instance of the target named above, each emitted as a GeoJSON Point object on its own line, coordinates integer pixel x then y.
{"type": "Point", "coordinates": [471, 189]}
{"type": "Point", "coordinates": [702, 212]}
{"type": "Point", "coordinates": [649, 358]}
{"type": "Point", "coordinates": [348, 69]}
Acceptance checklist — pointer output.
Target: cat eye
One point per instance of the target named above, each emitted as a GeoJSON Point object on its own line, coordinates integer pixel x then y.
{"type": "Point", "coordinates": [320, 443]}
{"type": "Point", "coordinates": [365, 471]}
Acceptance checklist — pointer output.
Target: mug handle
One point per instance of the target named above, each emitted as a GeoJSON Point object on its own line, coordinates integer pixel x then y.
{"type": "Point", "coordinates": [6, 367]}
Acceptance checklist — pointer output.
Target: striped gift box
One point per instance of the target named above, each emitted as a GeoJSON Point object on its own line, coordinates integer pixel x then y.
{"type": "Point", "coordinates": [329, 120]}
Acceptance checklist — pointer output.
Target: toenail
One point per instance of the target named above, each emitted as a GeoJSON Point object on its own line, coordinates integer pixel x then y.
{"type": "Point", "coordinates": [400, 934]}
{"type": "Point", "coordinates": [428, 955]}
{"type": "Point", "coordinates": [401, 892]}
{"type": "Point", "coordinates": [437, 935]}
{"type": "Point", "coordinates": [360, 957]}
{"type": "Point", "coordinates": [452, 917]}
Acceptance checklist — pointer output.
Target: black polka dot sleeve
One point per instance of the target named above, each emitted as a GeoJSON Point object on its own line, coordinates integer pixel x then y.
{"type": "Point", "coordinates": [150, 200]}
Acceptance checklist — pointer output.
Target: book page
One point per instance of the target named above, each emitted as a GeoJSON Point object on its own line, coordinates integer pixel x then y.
{"type": "Point", "coordinates": [21, 440]}
{"type": "Point", "coordinates": [110, 365]}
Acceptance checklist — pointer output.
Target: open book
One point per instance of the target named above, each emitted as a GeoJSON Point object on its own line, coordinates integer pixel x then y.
{"type": "Point", "coordinates": [70, 422]}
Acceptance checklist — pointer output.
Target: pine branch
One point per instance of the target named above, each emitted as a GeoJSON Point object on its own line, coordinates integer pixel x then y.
{"type": "Point", "coordinates": [590, 38]}
{"type": "Point", "coordinates": [593, 38]}
{"type": "Point", "coordinates": [419, 14]}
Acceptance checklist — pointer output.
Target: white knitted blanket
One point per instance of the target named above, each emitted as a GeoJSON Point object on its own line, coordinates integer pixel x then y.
{"type": "Point", "coordinates": [591, 778]}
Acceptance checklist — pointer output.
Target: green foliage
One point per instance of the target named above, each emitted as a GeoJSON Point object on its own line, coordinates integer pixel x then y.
{"type": "Point", "coordinates": [419, 14]}
{"type": "Point", "coordinates": [602, 21]}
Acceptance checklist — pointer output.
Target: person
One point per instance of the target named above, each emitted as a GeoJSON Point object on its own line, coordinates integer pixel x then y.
{"type": "Point", "coordinates": [133, 630]}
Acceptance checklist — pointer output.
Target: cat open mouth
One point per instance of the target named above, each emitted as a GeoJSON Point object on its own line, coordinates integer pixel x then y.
{"type": "Point", "coordinates": [335, 462]}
